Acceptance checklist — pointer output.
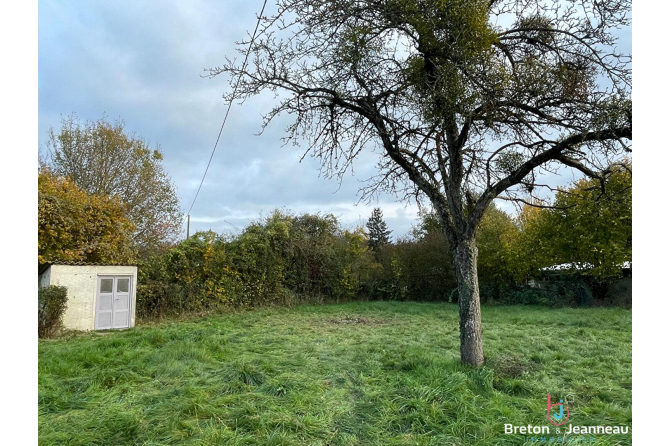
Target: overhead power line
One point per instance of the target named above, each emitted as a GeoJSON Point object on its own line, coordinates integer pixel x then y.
{"type": "Point", "coordinates": [244, 65]}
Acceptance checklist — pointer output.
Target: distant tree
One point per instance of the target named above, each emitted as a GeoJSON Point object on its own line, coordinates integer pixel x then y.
{"type": "Point", "coordinates": [74, 225]}
{"type": "Point", "coordinates": [497, 241]}
{"type": "Point", "coordinates": [589, 226]}
{"type": "Point", "coordinates": [499, 263]}
{"type": "Point", "coordinates": [378, 232]}
{"type": "Point", "coordinates": [102, 159]}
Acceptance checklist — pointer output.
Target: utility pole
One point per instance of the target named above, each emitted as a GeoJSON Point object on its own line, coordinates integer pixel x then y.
{"type": "Point", "coordinates": [188, 225]}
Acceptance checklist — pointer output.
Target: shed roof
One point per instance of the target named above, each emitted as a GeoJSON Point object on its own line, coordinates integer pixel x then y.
{"type": "Point", "coordinates": [44, 266]}
{"type": "Point", "coordinates": [580, 266]}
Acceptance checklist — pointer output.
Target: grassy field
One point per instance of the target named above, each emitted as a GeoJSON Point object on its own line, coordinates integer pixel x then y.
{"type": "Point", "coordinates": [380, 373]}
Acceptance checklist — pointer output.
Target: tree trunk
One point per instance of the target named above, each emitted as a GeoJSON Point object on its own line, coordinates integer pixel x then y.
{"type": "Point", "coordinates": [465, 256]}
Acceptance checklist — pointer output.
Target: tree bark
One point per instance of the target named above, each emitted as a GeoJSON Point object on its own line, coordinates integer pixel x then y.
{"type": "Point", "coordinates": [465, 259]}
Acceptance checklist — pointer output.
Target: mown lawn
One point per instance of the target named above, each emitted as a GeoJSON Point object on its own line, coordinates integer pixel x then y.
{"type": "Point", "coordinates": [380, 373]}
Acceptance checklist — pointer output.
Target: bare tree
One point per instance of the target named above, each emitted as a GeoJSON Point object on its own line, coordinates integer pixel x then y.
{"type": "Point", "coordinates": [465, 101]}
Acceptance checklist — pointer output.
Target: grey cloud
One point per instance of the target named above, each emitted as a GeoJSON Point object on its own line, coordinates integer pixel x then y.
{"type": "Point", "coordinates": [143, 61]}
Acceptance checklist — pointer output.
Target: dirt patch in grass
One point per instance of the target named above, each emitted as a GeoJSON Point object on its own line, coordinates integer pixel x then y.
{"type": "Point", "coordinates": [508, 366]}
{"type": "Point", "coordinates": [357, 320]}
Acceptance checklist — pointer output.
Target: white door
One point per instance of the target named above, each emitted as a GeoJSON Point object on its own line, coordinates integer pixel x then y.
{"type": "Point", "coordinates": [113, 302]}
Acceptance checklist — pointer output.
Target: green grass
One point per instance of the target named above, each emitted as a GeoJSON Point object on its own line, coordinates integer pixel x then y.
{"type": "Point", "coordinates": [381, 373]}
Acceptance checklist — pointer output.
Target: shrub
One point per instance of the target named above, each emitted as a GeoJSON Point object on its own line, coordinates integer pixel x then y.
{"type": "Point", "coordinates": [52, 301]}
{"type": "Point", "coordinates": [74, 225]}
{"type": "Point", "coordinates": [280, 259]}
{"type": "Point", "coordinates": [555, 291]}
{"type": "Point", "coordinates": [417, 268]}
{"type": "Point", "coordinates": [157, 299]}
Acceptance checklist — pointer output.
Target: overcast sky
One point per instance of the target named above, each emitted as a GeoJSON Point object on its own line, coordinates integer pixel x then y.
{"type": "Point", "coordinates": [143, 61]}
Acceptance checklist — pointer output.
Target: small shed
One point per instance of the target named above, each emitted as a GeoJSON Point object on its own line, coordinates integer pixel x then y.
{"type": "Point", "coordinates": [100, 297]}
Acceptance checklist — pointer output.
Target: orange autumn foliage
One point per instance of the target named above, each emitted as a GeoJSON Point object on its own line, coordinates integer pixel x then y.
{"type": "Point", "coordinates": [76, 226]}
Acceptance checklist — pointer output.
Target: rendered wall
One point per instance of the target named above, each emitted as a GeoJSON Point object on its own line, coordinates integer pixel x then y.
{"type": "Point", "coordinates": [81, 282]}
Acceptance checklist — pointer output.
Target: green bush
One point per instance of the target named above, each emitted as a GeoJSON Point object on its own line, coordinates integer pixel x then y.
{"type": "Point", "coordinates": [193, 276]}
{"type": "Point", "coordinates": [52, 301]}
{"type": "Point", "coordinates": [281, 258]}
{"type": "Point", "coordinates": [157, 299]}
{"type": "Point", "coordinates": [285, 259]}
{"type": "Point", "coordinates": [425, 268]}
{"type": "Point", "coordinates": [554, 291]}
